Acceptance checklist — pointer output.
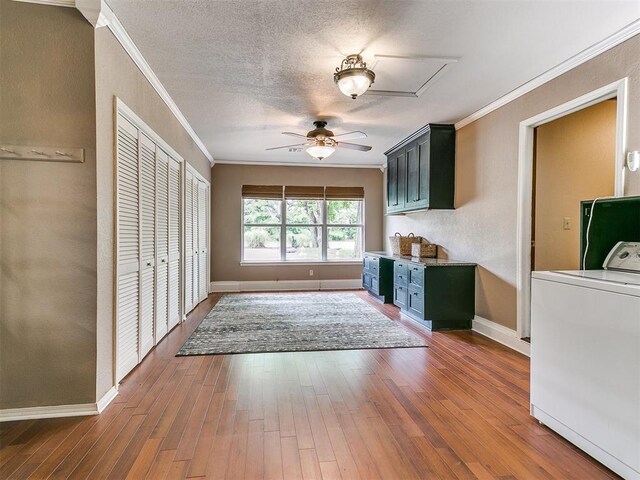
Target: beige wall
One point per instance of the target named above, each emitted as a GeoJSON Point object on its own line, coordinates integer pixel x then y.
{"type": "Point", "coordinates": [226, 222]}
{"type": "Point", "coordinates": [483, 226]}
{"type": "Point", "coordinates": [117, 75]}
{"type": "Point", "coordinates": [575, 160]}
{"type": "Point", "coordinates": [47, 210]}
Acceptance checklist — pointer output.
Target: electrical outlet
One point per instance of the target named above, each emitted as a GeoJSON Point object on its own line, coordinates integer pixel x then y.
{"type": "Point", "coordinates": [311, 273]}
{"type": "Point", "coordinates": [566, 223]}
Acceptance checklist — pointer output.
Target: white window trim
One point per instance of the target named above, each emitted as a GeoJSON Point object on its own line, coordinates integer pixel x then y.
{"type": "Point", "coordinates": [324, 226]}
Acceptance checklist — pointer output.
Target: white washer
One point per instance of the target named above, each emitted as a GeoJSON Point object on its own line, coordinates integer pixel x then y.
{"type": "Point", "coordinates": [585, 362]}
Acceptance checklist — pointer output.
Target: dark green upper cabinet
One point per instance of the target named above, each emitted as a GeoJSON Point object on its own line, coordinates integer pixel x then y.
{"type": "Point", "coordinates": [421, 170]}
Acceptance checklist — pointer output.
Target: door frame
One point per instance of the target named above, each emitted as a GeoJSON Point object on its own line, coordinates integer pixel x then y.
{"type": "Point", "coordinates": [616, 90]}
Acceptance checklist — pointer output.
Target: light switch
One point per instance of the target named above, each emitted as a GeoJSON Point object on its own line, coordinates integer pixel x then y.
{"type": "Point", "coordinates": [566, 223]}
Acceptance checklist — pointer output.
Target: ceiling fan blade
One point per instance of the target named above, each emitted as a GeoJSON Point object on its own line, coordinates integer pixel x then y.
{"type": "Point", "coordinates": [351, 135]}
{"type": "Point", "coordinates": [353, 146]}
{"type": "Point", "coordinates": [292, 134]}
{"type": "Point", "coordinates": [297, 145]}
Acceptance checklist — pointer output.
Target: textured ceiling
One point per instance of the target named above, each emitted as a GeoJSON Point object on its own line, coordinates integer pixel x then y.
{"type": "Point", "coordinates": [244, 71]}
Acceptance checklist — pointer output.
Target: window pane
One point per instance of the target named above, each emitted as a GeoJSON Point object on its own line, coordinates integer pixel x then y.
{"type": "Point", "coordinates": [347, 212]}
{"type": "Point", "coordinates": [261, 243]}
{"type": "Point", "coordinates": [304, 211]}
{"type": "Point", "coordinates": [261, 211]}
{"type": "Point", "coordinates": [344, 243]}
{"type": "Point", "coordinates": [304, 243]}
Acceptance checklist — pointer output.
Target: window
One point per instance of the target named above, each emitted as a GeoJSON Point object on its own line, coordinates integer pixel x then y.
{"type": "Point", "coordinates": [302, 224]}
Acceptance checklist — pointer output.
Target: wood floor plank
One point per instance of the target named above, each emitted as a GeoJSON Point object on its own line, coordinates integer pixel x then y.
{"type": "Point", "coordinates": [455, 410]}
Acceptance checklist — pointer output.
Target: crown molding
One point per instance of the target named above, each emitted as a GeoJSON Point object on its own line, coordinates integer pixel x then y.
{"type": "Point", "coordinates": [608, 43]}
{"type": "Point", "coordinates": [99, 14]}
{"type": "Point", "coordinates": [297, 164]}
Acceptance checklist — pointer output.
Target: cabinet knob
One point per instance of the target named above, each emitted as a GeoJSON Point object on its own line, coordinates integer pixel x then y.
{"type": "Point", "coordinates": [149, 263]}
{"type": "Point", "coordinates": [163, 260]}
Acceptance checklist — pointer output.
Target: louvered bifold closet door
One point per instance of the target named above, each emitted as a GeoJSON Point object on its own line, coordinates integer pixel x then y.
{"type": "Point", "coordinates": [203, 256]}
{"type": "Point", "coordinates": [128, 248]}
{"type": "Point", "coordinates": [148, 243]}
{"type": "Point", "coordinates": [174, 242]}
{"type": "Point", "coordinates": [188, 243]}
{"type": "Point", "coordinates": [162, 243]}
{"type": "Point", "coordinates": [196, 249]}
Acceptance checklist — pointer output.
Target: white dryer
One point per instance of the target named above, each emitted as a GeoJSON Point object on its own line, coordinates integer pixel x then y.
{"type": "Point", "coordinates": [585, 358]}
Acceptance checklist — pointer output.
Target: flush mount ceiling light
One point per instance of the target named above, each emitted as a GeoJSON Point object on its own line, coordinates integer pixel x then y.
{"type": "Point", "coordinates": [353, 77]}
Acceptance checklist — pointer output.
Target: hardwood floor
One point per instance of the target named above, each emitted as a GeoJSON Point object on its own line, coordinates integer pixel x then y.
{"type": "Point", "coordinates": [458, 409]}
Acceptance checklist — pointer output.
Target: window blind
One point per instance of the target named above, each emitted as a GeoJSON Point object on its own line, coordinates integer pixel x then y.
{"type": "Point", "coordinates": [270, 192]}
{"type": "Point", "coordinates": [304, 193]}
{"type": "Point", "coordinates": [274, 192]}
{"type": "Point", "coordinates": [344, 193]}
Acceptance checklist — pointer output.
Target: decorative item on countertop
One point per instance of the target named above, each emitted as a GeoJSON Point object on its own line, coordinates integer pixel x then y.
{"type": "Point", "coordinates": [401, 245]}
{"type": "Point", "coordinates": [424, 249]}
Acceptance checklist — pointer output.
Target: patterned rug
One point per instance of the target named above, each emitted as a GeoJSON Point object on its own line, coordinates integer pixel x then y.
{"type": "Point", "coordinates": [295, 323]}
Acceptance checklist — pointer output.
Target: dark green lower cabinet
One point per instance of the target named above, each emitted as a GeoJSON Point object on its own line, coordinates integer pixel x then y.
{"type": "Point", "coordinates": [377, 277]}
{"type": "Point", "coordinates": [439, 297]}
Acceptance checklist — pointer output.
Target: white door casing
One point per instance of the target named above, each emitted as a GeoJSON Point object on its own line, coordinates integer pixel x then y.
{"type": "Point", "coordinates": [616, 90]}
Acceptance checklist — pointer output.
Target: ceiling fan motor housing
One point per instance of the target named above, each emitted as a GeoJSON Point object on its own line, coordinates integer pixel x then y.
{"type": "Point", "coordinates": [319, 130]}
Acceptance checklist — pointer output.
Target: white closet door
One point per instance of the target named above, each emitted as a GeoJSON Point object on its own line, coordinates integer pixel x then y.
{"type": "Point", "coordinates": [188, 250]}
{"type": "Point", "coordinates": [174, 242]}
{"type": "Point", "coordinates": [128, 248]}
{"type": "Point", "coordinates": [162, 243]}
{"type": "Point", "coordinates": [148, 243]}
{"type": "Point", "coordinates": [196, 244]}
{"type": "Point", "coordinates": [203, 256]}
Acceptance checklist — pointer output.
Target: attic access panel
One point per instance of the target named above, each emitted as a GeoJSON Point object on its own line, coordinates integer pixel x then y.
{"type": "Point", "coordinates": [406, 76]}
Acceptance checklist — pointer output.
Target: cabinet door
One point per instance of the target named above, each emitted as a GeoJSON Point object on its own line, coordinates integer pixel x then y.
{"type": "Point", "coordinates": [392, 183]}
{"type": "Point", "coordinates": [128, 248]}
{"type": "Point", "coordinates": [162, 243]}
{"type": "Point", "coordinates": [148, 243]}
{"type": "Point", "coordinates": [413, 175]}
{"type": "Point", "coordinates": [424, 167]}
{"type": "Point", "coordinates": [402, 179]}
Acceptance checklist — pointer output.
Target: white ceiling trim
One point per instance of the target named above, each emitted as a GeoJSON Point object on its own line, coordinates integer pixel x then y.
{"type": "Point", "coordinates": [297, 164]}
{"type": "Point", "coordinates": [111, 21]}
{"type": "Point", "coordinates": [617, 38]}
{"type": "Point", "coordinates": [423, 88]}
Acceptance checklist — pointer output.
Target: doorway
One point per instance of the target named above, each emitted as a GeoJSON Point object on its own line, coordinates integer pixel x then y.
{"type": "Point", "coordinates": [566, 155]}
{"type": "Point", "coordinates": [574, 159]}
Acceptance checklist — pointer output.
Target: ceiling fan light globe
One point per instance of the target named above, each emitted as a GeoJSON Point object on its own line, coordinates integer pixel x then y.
{"type": "Point", "coordinates": [320, 151]}
{"type": "Point", "coordinates": [354, 82]}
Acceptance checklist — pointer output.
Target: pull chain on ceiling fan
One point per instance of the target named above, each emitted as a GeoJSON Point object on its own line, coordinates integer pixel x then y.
{"type": "Point", "coordinates": [320, 142]}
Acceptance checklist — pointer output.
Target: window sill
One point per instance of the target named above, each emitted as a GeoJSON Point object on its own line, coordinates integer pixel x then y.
{"type": "Point", "coordinates": [301, 263]}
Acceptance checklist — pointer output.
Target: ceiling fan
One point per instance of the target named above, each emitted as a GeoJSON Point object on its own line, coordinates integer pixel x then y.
{"type": "Point", "coordinates": [320, 142]}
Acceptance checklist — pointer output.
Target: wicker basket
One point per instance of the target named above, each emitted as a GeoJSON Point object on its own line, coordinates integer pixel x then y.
{"type": "Point", "coordinates": [424, 249]}
{"type": "Point", "coordinates": [401, 245]}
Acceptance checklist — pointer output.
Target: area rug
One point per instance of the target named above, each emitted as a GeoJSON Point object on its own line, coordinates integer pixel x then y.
{"type": "Point", "coordinates": [260, 323]}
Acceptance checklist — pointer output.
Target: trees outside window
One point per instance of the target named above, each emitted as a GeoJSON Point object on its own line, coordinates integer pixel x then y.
{"type": "Point", "coordinates": [310, 230]}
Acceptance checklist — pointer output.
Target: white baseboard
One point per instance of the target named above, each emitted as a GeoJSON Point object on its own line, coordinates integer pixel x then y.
{"type": "Point", "coordinates": [501, 334]}
{"type": "Point", "coordinates": [53, 411]}
{"type": "Point", "coordinates": [106, 399]}
{"type": "Point", "coordinates": [58, 411]}
{"type": "Point", "coordinates": [283, 285]}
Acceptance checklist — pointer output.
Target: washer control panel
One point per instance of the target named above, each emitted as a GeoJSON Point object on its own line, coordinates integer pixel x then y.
{"type": "Point", "coordinates": [624, 256]}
